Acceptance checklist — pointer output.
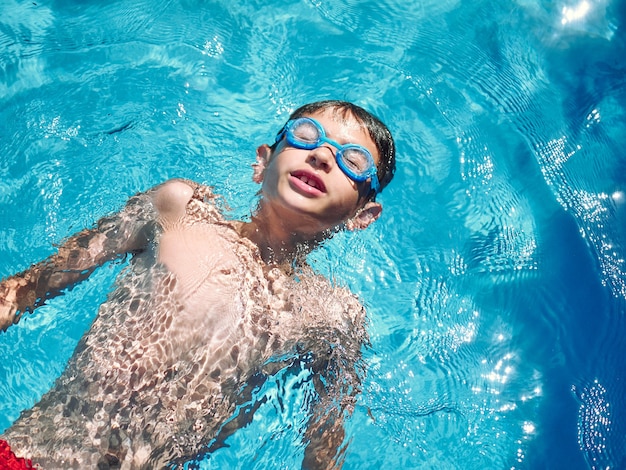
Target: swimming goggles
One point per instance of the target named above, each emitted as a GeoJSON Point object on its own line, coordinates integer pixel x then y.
{"type": "Point", "coordinates": [354, 160]}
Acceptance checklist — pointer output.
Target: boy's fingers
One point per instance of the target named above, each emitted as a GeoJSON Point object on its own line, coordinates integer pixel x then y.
{"type": "Point", "coordinates": [8, 315]}
{"type": "Point", "coordinates": [8, 307]}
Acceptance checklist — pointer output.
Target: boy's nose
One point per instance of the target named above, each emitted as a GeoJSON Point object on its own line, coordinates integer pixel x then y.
{"type": "Point", "coordinates": [322, 157]}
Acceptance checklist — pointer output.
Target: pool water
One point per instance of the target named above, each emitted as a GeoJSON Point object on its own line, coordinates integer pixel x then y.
{"type": "Point", "coordinates": [495, 280]}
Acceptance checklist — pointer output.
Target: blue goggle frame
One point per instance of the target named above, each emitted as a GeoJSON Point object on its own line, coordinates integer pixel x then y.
{"type": "Point", "coordinates": [293, 140]}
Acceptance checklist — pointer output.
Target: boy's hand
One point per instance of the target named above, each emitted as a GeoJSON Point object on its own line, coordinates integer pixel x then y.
{"type": "Point", "coordinates": [8, 303]}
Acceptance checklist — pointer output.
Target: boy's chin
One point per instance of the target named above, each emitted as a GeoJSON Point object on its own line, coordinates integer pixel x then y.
{"type": "Point", "coordinates": [305, 215]}
{"type": "Point", "coordinates": [313, 223]}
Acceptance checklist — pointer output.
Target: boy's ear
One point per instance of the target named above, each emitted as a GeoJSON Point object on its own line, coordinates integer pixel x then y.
{"type": "Point", "coordinates": [365, 216]}
{"type": "Point", "coordinates": [263, 153]}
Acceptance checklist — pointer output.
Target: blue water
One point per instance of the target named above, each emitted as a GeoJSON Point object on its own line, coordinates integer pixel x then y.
{"type": "Point", "coordinates": [495, 279]}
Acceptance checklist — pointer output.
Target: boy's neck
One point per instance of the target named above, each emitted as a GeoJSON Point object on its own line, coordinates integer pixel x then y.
{"type": "Point", "coordinates": [277, 242]}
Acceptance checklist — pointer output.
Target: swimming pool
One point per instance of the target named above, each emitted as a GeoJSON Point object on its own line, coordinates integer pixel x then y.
{"type": "Point", "coordinates": [495, 280]}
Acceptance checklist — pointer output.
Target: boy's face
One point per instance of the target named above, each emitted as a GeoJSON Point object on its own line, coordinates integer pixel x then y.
{"type": "Point", "coordinates": [306, 188]}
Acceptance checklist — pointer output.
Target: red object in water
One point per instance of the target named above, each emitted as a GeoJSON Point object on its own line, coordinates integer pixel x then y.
{"type": "Point", "coordinates": [8, 460]}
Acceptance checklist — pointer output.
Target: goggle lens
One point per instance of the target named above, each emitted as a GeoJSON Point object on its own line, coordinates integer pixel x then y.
{"type": "Point", "coordinates": [305, 132]}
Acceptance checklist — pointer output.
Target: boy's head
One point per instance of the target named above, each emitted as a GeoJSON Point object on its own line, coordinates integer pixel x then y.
{"type": "Point", "coordinates": [379, 133]}
{"type": "Point", "coordinates": [325, 167]}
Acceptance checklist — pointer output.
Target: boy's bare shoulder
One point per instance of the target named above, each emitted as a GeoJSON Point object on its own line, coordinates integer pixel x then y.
{"type": "Point", "coordinates": [172, 198]}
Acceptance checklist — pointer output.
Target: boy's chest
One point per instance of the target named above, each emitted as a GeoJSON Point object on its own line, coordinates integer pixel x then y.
{"type": "Point", "coordinates": [195, 253]}
{"type": "Point", "coordinates": [207, 275]}
{"type": "Point", "coordinates": [225, 292]}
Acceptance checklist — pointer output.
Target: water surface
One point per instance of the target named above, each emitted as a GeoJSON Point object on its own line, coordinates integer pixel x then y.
{"type": "Point", "coordinates": [495, 280]}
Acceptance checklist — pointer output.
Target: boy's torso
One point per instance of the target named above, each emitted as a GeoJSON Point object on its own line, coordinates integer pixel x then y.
{"type": "Point", "coordinates": [186, 327]}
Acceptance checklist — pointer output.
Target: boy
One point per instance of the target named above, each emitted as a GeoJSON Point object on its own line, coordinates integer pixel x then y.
{"type": "Point", "coordinates": [209, 307]}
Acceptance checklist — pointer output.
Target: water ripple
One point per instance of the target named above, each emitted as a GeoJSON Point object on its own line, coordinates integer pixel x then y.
{"type": "Point", "coordinates": [594, 425]}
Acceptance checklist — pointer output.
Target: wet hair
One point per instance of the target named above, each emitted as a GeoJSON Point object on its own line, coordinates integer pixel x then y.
{"type": "Point", "coordinates": [379, 133]}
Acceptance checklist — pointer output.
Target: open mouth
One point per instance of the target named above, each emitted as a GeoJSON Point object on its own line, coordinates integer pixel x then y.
{"type": "Point", "coordinates": [309, 180]}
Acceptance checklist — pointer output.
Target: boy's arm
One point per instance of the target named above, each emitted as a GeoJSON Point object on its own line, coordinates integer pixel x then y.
{"type": "Point", "coordinates": [337, 379]}
{"type": "Point", "coordinates": [113, 237]}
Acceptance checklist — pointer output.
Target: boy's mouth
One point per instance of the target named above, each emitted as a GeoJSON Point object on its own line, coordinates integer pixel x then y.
{"type": "Point", "coordinates": [310, 179]}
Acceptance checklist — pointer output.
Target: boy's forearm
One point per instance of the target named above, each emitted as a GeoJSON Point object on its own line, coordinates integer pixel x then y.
{"type": "Point", "coordinates": [25, 291]}
{"type": "Point", "coordinates": [325, 432]}
{"type": "Point", "coordinates": [74, 261]}
{"type": "Point", "coordinates": [325, 435]}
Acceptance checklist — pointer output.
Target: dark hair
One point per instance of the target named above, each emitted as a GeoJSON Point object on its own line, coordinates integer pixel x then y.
{"type": "Point", "coordinates": [377, 130]}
